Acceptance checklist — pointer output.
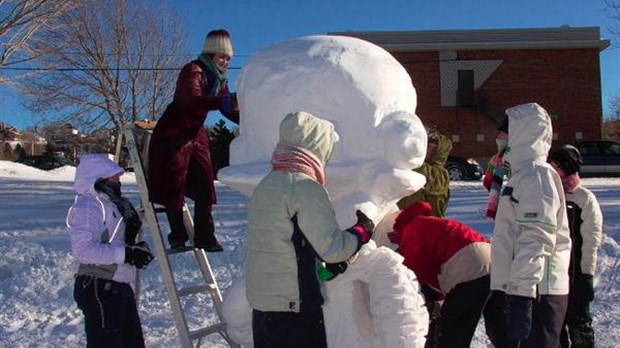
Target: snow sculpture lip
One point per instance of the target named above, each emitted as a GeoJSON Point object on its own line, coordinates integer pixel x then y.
{"type": "Point", "coordinates": [356, 85]}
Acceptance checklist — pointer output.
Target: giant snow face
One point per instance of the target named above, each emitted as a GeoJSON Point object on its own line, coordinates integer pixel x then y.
{"type": "Point", "coordinates": [356, 85]}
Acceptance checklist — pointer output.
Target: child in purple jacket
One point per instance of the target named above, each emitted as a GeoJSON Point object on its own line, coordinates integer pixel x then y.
{"type": "Point", "coordinates": [103, 227]}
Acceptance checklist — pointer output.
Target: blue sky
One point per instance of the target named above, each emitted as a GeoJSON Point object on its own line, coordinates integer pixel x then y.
{"type": "Point", "coordinates": [257, 24]}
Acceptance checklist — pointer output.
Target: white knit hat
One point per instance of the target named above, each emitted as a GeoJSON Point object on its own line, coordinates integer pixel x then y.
{"type": "Point", "coordinates": [218, 41]}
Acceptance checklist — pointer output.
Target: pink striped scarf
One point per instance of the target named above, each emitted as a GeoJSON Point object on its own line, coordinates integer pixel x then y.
{"type": "Point", "coordinates": [297, 159]}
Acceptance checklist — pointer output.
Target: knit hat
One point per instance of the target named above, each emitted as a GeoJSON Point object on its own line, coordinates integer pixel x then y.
{"type": "Point", "coordinates": [503, 127]}
{"type": "Point", "coordinates": [218, 41]}
{"type": "Point", "coordinates": [568, 158]}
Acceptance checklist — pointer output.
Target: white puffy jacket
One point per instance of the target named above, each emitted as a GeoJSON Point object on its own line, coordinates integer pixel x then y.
{"type": "Point", "coordinates": [590, 230]}
{"type": "Point", "coordinates": [531, 240]}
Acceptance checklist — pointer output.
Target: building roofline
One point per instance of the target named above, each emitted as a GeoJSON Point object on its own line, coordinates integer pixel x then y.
{"type": "Point", "coordinates": [483, 39]}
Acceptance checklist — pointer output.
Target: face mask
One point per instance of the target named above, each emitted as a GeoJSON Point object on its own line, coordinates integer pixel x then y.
{"type": "Point", "coordinates": [502, 144]}
{"type": "Point", "coordinates": [109, 187]}
{"type": "Point", "coordinates": [116, 187]}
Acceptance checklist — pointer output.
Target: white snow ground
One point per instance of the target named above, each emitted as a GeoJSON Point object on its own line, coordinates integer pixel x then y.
{"type": "Point", "coordinates": [36, 268]}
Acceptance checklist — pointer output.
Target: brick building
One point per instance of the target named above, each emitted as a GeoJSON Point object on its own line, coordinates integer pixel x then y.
{"type": "Point", "coordinates": [465, 79]}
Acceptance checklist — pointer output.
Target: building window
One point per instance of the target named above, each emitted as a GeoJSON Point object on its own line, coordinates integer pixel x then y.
{"type": "Point", "coordinates": [456, 138]}
{"type": "Point", "coordinates": [578, 135]}
{"type": "Point", "coordinates": [465, 91]}
{"type": "Point", "coordinates": [479, 138]}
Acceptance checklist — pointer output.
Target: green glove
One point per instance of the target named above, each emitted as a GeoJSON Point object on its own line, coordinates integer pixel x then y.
{"type": "Point", "coordinates": [331, 270]}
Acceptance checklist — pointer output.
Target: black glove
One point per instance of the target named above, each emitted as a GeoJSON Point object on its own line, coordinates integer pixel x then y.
{"type": "Point", "coordinates": [229, 103]}
{"type": "Point", "coordinates": [336, 268]}
{"type": "Point", "coordinates": [138, 255]}
{"type": "Point", "coordinates": [363, 228]}
{"type": "Point", "coordinates": [364, 221]}
{"type": "Point", "coordinates": [585, 287]}
{"type": "Point", "coordinates": [519, 312]}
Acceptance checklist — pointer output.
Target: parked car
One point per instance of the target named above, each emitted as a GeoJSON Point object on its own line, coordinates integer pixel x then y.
{"type": "Point", "coordinates": [600, 157]}
{"type": "Point", "coordinates": [46, 162]}
{"type": "Point", "coordinates": [462, 168]}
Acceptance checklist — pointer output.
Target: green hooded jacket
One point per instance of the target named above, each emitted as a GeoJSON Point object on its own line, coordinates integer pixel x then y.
{"type": "Point", "coordinates": [437, 188]}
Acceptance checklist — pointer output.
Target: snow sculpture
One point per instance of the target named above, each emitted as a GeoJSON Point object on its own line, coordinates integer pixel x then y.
{"type": "Point", "coordinates": [370, 99]}
{"type": "Point", "coordinates": [358, 86]}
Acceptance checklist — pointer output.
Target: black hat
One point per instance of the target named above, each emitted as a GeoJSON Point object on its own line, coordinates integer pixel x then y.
{"type": "Point", "coordinates": [568, 158]}
{"type": "Point", "coordinates": [504, 125]}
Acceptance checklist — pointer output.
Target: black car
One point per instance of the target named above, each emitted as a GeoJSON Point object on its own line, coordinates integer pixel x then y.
{"type": "Point", "coordinates": [45, 162]}
{"type": "Point", "coordinates": [461, 168]}
{"type": "Point", "coordinates": [600, 157]}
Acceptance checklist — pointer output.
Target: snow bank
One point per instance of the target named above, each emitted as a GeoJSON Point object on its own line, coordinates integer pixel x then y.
{"type": "Point", "coordinates": [14, 170]}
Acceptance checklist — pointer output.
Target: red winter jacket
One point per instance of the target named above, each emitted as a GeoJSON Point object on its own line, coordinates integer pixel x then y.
{"type": "Point", "coordinates": [180, 136]}
{"type": "Point", "coordinates": [441, 252]}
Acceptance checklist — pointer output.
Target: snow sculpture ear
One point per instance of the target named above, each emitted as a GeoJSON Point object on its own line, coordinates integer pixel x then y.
{"type": "Point", "coordinates": [404, 139]}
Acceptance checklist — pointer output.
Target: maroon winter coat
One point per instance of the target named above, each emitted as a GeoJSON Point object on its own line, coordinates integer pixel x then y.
{"type": "Point", "coordinates": [180, 136]}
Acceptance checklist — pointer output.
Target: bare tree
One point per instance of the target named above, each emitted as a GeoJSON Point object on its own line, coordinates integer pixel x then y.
{"type": "Point", "coordinates": [612, 7]}
{"type": "Point", "coordinates": [614, 107]}
{"type": "Point", "coordinates": [611, 123]}
{"type": "Point", "coordinates": [112, 62]}
{"type": "Point", "coordinates": [20, 22]}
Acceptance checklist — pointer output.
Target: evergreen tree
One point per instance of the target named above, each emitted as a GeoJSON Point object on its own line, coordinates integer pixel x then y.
{"type": "Point", "coordinates": [19, 152]}
{"type": "Point", "coordinates": [49, 149]}
{"type": "Point", "coordinates": [219, 138]}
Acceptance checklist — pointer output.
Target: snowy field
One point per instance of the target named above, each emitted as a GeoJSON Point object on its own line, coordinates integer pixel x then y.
{"type": "Point", "coordinates": [36, 269]}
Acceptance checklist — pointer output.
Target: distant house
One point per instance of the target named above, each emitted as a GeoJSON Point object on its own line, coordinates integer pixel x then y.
{"type": "Point", "coordinates": [9, 138]}
{"type": "Point", "coordinates": [8, 132]}
{"type": "Point", "coordinates": [32, 143]}
{"type": "Point", "coordinates": [465, 79]}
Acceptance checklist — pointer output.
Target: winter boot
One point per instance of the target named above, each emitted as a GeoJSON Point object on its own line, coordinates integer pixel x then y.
{"type": "Point", "coordinates": [178, 235]}
{"type": "Point", "coordinates": [204, 229]}
{"type": "Point", "coordinates": [210, 246]}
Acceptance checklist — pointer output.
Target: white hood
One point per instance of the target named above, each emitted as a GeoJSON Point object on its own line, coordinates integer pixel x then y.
{"type": "Point", "coordinates": [91, 168]}
{"type": "Point", "coordinates": [529, 135]}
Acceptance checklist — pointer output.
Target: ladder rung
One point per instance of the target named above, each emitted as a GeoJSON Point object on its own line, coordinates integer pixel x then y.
{"type": "Point", "coordinates": [158, 210]}
{"type": "Point", "coordinates": [195, 289]}
{"type": "Point", "coordinates": [206, 331]}
{"type": "Point", "coordinates": [179, 250]}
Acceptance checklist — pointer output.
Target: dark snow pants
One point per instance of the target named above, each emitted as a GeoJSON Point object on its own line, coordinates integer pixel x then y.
{"type": "Point", "coordinates": [548, 314]}
{"type": "Point", "coordinates": [461, 312]}
{"type": "Point", "coordinates": [578, 323]}
{"type": "Point", "coordinates": [204, 226]}
{"type": "Point", "coordinates": [288, 329]}
{"type": "Point", "coordinates": [110, 313]}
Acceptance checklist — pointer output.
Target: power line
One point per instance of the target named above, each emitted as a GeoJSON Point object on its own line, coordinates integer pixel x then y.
{"type": "Point", "coordinates": [167, 69]}
{"type": "Point", "coordinates": [97, 69]}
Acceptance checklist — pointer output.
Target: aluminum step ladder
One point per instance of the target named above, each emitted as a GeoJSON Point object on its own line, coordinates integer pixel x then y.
{"type": "Point", "coordinates": [163, 254]}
